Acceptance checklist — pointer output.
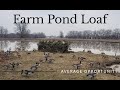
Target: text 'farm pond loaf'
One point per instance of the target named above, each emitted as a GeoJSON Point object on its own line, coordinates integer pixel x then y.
{"type": "Point", "coordinates": [53, 19]}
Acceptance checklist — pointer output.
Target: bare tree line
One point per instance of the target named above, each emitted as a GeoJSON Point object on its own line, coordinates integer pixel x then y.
{"type": "Point", "coordinates": [22, 31]}
{"type": "Point", "coordinates": [3, 32]}
{"type": "Point", "coordinates": [97, 34]}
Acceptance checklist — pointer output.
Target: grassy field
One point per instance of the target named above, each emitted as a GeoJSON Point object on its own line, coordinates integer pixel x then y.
{"type": "Point", "coordinates": [52, 71]}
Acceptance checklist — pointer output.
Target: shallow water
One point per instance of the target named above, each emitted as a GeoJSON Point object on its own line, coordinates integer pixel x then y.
{"type": "Point", "coordinates": [6, 45]}
{"type": "Point", "coordinates": [96, 47]}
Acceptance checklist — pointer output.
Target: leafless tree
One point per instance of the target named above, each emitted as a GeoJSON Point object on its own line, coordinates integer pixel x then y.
{"type": "Point", "coordinates": [61, 34]}
{"type": "Point", "coordinates": [21, 30]}
{"type": "Point", "coordinates": [3, 32]}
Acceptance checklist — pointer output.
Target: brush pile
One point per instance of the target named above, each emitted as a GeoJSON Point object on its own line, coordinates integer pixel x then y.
{"type": "Point", "coordinates": [53, 46]}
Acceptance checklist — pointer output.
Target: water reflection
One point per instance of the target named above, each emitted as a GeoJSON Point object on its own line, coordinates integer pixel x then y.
{"type": "Point", "coordinates": [97, 47]}
{"type": "Point", "coordinates": [23, 45]}
{"type": "Point", "coordinates": [3, 45]}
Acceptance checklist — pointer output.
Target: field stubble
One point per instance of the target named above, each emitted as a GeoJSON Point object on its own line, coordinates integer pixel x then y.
{"type": "Point", "coordinates": [52, 71]}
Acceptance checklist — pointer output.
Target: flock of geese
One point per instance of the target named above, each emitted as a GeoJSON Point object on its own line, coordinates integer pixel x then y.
{"type": "Point", "coordinates": [34, 67]}
{"type": "Point", "coordinates": [90, 75]}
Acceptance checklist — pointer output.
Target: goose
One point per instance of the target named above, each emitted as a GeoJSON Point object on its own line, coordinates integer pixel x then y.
{"type": "Point", "coordinates": [91, 75]}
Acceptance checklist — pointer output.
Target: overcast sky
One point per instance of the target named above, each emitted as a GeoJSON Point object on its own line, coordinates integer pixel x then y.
{"type": "Point", "coordinates": [113, 20]}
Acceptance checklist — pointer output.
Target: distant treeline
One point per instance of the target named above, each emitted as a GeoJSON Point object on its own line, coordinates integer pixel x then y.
{"type": "Point", "coordinates": [97, 34]}
{"type": "Point", "coordinates": [14, 35]}
{"type": "Point", "coordinates": [21, 31]}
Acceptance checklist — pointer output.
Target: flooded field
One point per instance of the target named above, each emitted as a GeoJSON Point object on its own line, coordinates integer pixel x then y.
{"type": "Point", "coordinates": [26, 45]}
{"type": "Point", "coordinates": [96, 47]}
